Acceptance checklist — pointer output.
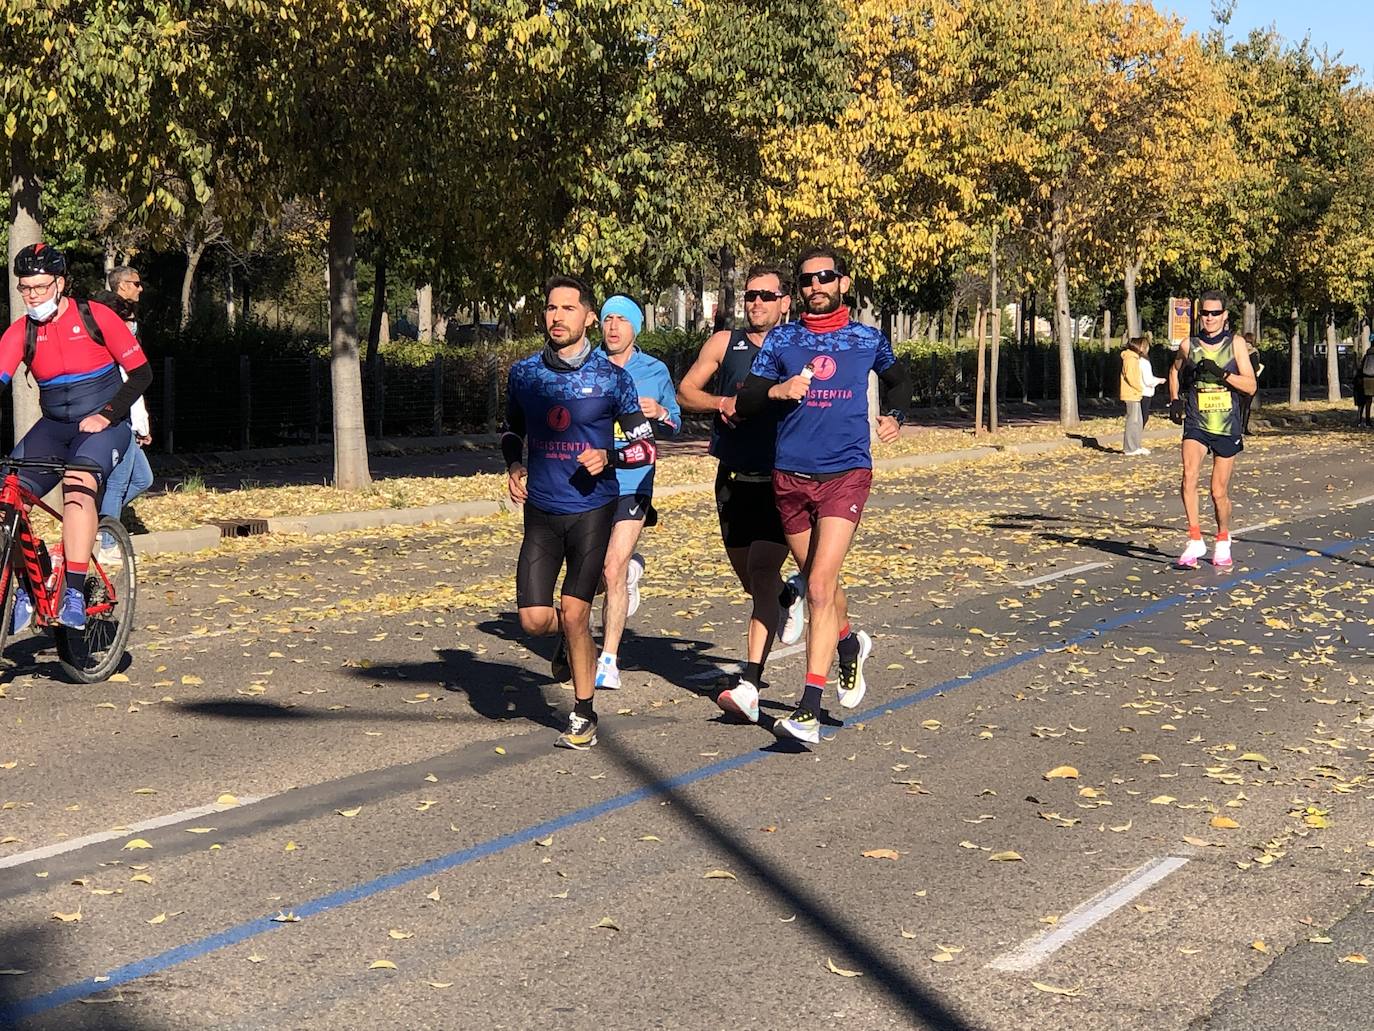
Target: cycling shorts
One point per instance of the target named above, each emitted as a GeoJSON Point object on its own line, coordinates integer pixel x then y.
{"type": "Point", "coordinates": [96, 453]}
{"type": "Point", "coordinates": [578, 539]}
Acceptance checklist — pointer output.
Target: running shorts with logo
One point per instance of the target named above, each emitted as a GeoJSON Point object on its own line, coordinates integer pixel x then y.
{"type": "Point", "coordinates": [579, 539]}
{"type": "Point", "coordinates": [635, 507]}
{"type": "Point", "coordinates": [747, 509]}
{"type": "Point", "coordinates": [1218, 444]}
{"type": "Point", "coordinates": [803, 499]}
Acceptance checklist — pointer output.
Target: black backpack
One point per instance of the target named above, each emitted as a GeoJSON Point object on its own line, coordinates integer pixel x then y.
{"type": "Point", "coordinates": [83, 307]}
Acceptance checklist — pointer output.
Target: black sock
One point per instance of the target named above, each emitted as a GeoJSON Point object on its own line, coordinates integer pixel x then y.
{"type": "Point", "coordinates": [753, 672]}
{"type": "Point", "coordinates": [811, 698]}
{"type": "Point", "coordinates": [848, 647]}
{"type": "Point", "coordinates": [583, 707]}
{"type": "Point", "coordinates": [76, 577]}
{"type": "Point", "coordinates": [787, 596]}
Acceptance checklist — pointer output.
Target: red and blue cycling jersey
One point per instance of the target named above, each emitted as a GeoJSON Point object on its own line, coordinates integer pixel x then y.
{"type": "Point", "coordinates": [827, 432]}
{"type": "Point", "coordinates": [76, 375]}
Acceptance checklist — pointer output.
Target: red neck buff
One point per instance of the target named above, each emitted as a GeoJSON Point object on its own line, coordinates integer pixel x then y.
{"type": "Point", "coordinates": [828, 323]}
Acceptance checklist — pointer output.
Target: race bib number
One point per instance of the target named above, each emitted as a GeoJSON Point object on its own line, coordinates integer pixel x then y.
{"type": "Point", "coordinates": [1213, 400]}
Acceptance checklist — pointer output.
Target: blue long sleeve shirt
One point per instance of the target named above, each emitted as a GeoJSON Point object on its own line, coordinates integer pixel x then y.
{"type": "Point", "coordinates": [651, 379]}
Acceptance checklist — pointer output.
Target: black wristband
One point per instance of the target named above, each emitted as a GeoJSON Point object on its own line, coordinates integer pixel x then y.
{"type": "Point", "coordinates": [897, 414]}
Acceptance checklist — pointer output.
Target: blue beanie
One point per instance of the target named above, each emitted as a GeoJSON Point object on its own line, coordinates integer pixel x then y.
{"type": "Point", "coordinates": [627, 309]}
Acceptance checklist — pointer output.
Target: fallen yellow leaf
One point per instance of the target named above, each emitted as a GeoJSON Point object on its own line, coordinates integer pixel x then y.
{"type": "Point", "coordinates": [1354, 957]}
{"type": "Point", "coordinates": [161, 918]}
{"type": "Point", "coordinates": [400, 936]}
{"type": "Point", "coordinates": [1051, 989]}
{"type": "Point", "coordinates": [719, 875]}
{"type": "Point", "coordinates": [381, 964]}
{"type": "Point", "coordinates": [830, 965]}
{"type": "Point", "coordinates": [1062, 773]}
{"type": "Point", "coordinates": [1224, 823]}
{"type": "Point", "coordinates": [881, 853]}
{"type": "Point", "coordinates": [136, 843]}
{"type": "Point", "coordinates": [1005, 857]}
{"type": "Point", "coordinates": [68, 918]}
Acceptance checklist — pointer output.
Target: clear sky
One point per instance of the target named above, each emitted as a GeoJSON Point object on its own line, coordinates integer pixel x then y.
{"type": "Point", "coordinates": [1344, 26]}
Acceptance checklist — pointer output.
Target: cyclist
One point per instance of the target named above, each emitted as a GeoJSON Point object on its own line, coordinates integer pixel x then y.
{"type": "Point", "coordinates": [75, 350]}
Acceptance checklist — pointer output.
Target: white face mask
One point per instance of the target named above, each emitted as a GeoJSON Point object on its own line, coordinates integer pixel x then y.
{"type": "Point", "coordinates": [43, 310]}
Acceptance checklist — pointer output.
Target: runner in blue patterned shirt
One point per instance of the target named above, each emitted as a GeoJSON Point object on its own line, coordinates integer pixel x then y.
{"type": "Point", "coordinates": [823, 469]}
{"type": "Point", "coordinates": [565, 402]}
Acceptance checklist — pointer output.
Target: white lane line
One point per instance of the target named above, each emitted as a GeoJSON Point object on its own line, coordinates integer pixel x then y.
{"type": "Point", "coordinates": [1062, 572]}
{"type": "Point", "coordinates": [1034, 951]}
{"type": "Point", "coordinates": [48, 851]}
{"type": "Point", "coordinates": [1361, 501]}
{"type": "Point", "coordinates": [735, 667]}
{"type": "Point", "coordinates": [1252, 529]}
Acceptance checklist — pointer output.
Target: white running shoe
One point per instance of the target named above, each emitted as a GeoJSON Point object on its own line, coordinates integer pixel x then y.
{"type": "Point", "coordinates": [1142, 451]}
{"type": "Point", "coordinates": [801, 725]}
{"type": "Point", "coordinates": [794, 616]}
{"type": "Point", "coordinates": [1194, 551]}
{"type": "Point", "coordinates": [1221, 554]}
{"type": "Point", "coordinates": [851, 682]}
{"type": "Point", "coordinates": [740, 700]}
{"type": "Point", "coordinates": [633, 572]}
{"type": "Point", "coordinates": [607, 674]}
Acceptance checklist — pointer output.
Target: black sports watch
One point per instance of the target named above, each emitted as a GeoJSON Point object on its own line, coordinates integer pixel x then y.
{"type": "Point", "coordinates": [897, 414]}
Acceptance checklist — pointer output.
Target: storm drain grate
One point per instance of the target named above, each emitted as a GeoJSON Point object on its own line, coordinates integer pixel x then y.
{"type": "Point", "coordinates": [239, 527]}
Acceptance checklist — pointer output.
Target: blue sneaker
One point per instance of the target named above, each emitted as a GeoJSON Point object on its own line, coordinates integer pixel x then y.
{"type": "Point", "coordinates": [23, 611]}
{"type": "Point", "coordinates": [72, 615]}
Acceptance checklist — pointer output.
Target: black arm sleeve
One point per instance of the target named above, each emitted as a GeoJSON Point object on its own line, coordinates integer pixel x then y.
{"type": "Point", "coordinates": [752, 398]}
{"type": "Point", "coordinates": [662, 430]}
{"type": "Point", "coordinates": [140, 379]}
{"type": "Point", "coordinates": [513, 434]}
{"type": "Point", "coordinates": [894, 388]}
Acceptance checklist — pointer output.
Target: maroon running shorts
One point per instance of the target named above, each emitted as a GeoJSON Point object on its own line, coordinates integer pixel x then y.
{"type": "Point", "coordinates": [802, 501]}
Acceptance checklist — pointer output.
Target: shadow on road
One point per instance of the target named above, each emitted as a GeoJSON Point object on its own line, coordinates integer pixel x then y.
{"type": "Point", "coordinates": [33, 950]}
{"type": "Point", "coordinates": [855, 942]}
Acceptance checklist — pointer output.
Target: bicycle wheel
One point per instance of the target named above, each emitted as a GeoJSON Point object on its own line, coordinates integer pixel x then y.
{"type": "Point", "coordinates": [91, 655]}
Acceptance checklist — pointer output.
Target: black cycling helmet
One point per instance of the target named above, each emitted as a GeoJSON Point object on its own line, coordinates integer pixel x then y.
{"type": "Point", "coordinates": [39, 259]}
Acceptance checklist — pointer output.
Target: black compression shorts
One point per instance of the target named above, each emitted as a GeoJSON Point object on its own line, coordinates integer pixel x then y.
{"type": "Point", "coordinates": [580, 539]}
{"type": "Point", "coordinates": [95, 453]}
{"type": "Point", "coordinates": [747, 509]}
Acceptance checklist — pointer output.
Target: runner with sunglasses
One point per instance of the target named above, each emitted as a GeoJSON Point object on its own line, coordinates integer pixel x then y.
{"type": "Point", "coordinates": [818, 368]}
{"type": "Point", "coordinates": [1206, 383]}
{"type": "Point", "coordinates": [749, 522]}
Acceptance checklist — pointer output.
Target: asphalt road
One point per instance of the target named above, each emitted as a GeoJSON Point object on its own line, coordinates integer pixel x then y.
{"type": "Point", "coordinates": [338, 752]}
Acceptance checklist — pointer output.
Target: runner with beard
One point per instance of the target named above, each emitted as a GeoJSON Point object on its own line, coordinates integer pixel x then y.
{"type": "Point", "coordinates": [819, 368]}
{"type": "Point", "coordinates": [564, 402]}
{"type": "Point", "coordinates": [749, 522]}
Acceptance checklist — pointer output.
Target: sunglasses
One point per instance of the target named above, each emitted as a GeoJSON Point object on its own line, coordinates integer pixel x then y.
{"type": "Point", "coordinates": [1209, 314]}
{"type": "Point", "coordinates": [762, 295]}
{"type": "Point", "coordinates": [824, 277]}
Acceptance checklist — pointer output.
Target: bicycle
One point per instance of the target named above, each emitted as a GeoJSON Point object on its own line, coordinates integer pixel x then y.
{"type": "Point", "coordinates": [88, 656]}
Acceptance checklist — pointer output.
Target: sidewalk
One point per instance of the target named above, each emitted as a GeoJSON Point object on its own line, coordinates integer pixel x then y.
{"type": "Point", "coordinates": [468, 455]}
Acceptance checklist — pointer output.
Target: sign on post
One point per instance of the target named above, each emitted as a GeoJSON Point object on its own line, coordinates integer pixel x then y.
{"type": "Point", "coordinates": [1180, 321]}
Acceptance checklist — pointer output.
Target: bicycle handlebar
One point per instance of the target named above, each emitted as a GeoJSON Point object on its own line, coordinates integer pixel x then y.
{"type": "Point", "coordinates": [10, 462]}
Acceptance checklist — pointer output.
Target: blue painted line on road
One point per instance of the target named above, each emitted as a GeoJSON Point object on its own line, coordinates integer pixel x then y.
{"type": "Point", "coordinates": [39, 1004]}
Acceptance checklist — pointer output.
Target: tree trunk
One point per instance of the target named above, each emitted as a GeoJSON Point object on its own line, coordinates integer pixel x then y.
{"type": "Point", "coordinates": [679, 307]}
{"type": "Point", "coordinates": [725, 297]}
{"type": "Point", "coordinates": [980, 375]}
{"type": "Point", "coordinates": [111, 258]}
{"type": "Point", "coordinates": [194, 251]}
{"type": "Point", "coordinates": [424, 304]}
{"type": "Point", "coordinates": [1333, 360]}
{"type": "Point", "coordinates": [26, 227]}
{"type": "Point", "coordinates": [1132, 310]}
{"type": "Point", "coordinates": [1295, 361]}
{"type": "Point", "coordinates": [1249, 320]}
{"type": "Point", "coordinates": [374, 325]}
{"type": "Point", "coordinates": [996, 338]}
{"type": "Point", "coordinates": [350, 438]}
{"type": "Point", "coordinates": [1059, 258]}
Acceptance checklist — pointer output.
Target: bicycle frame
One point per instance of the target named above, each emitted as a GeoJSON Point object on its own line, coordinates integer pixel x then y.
{"type": "Point", "coordinates": [15, 502]}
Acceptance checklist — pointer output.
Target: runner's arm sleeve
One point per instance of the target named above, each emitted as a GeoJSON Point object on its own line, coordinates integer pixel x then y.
{"type": "Point", "coordinates": [752, 397]}
{"type": "Point", "coordinates": [140, 379]}
{"type": "Point", "coordinates": [894, 388]}
{"type": "Point", "coordinates": [513, 432]}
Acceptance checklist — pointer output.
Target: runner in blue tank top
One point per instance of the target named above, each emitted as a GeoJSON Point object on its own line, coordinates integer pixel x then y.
{"type": "Point", "coordinates": [621, 321]}
{"type": "Point", "coordinates": [565, 401]}
{"type": "Point", "coordinates": [823, 466]}
{"type": "Point", "coordinates": [749, 522]}
{"type": "Point", "coordinates": [1206, 381]}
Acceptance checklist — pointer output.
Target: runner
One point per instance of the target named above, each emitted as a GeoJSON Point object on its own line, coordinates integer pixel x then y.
{"type": "Point", "coordinates": [824, 466]}
{"type": "Point", "coordinates": [1206, 382]}
{"type": "Point", "coordinates": [564, 401]}
{"type": "Point", "coordinates": [74, 349]}
{"type": "Point", "coordinates": [621, 321]}
{"type": "Point", "coordinates": [749, 522]}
